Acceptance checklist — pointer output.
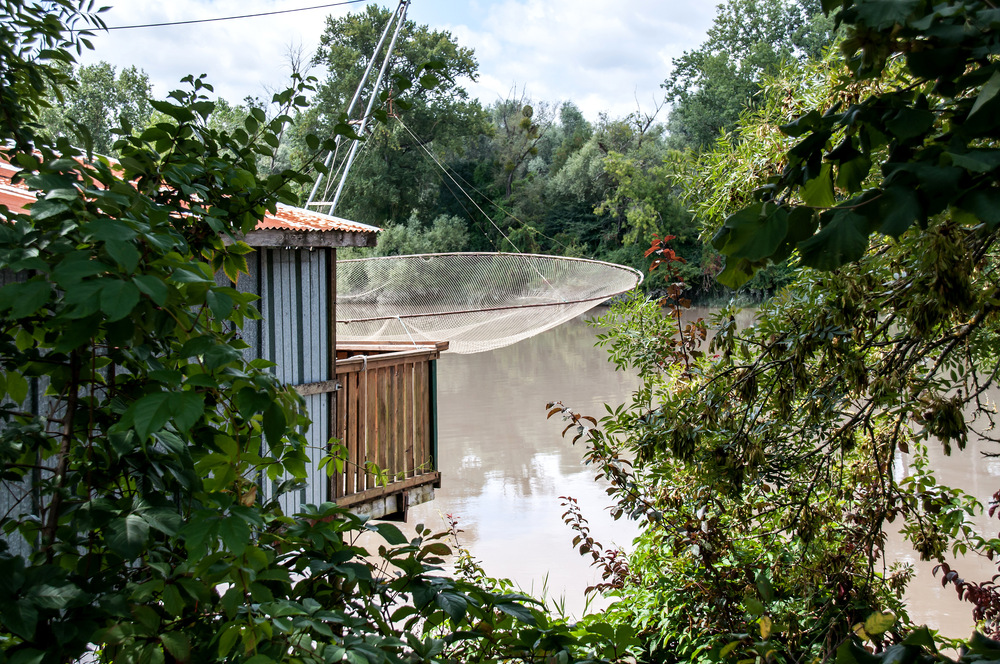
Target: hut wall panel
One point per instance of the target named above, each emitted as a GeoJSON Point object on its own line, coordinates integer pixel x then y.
{"type": "Point", "coordinates": [293, 290]}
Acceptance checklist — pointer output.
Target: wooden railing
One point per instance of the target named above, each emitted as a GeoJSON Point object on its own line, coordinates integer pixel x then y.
{"type": "Point", "coordinates": [386, 410]}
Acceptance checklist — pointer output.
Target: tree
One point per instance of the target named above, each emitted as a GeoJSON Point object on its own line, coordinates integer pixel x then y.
{"type": "Point", "coordinates": [393, 176]}
{"type": "Point", "coordinates": [518, 129]}
{"type": "Point", "coordinates": [749, 39]}
{"type": "Point", "coordinates": [764, 458]}
{"type": "Point", "coordinates": [136, 491]}
{"type": "Point", "coordinates": [102, 99]}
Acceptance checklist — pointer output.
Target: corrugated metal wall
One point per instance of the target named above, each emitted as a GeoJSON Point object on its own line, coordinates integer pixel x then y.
{"type": "Point", "coordinates": [17, 499]}
{"type": "Point", "coordinates": [293, 287]}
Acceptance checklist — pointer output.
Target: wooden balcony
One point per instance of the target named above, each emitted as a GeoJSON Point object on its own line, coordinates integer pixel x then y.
{"type": "Point", "coordinates": [387, 419]}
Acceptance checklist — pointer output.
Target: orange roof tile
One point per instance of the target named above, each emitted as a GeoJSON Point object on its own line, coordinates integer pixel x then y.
{"type": "Point", "coordinates": [299, 219]}
{"type": "Point", "coordinates": [287, 218]}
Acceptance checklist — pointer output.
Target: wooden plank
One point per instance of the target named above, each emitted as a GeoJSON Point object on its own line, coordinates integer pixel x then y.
{"type": "Point", "coordinates": [371, 430]}
{"type": "Point", "coordinates": [373, 347]}
{"type": "Point", "coordinates": [279, 238]}
{"type": "Point", "coordinates": [357, 461]}
{"type": "Point", "coordinates": [352, 435]}
{"type": "Point", "coordinates": [394, 487]}
{"type": "Point", "coordinates": [319, 387]}
{"type": "Point", "coordinates": [419, 416]}
{"type": "Point", "coordinates": [398, 460]}
{"type": "Point", "coordinates": [342, 397]}
{"type": "Point", "coordinates": [408, 428]}
{"type": "Point", "coordinates": [365, 362]}
{"type": "Point", "coordinates": [383, 436]}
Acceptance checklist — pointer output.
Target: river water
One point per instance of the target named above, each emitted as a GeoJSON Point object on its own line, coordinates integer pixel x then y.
{"type": "Point", "coordinates": [505, 466]}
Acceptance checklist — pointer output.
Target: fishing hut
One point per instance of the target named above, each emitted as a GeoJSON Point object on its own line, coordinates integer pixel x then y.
{"type": "Point", "coordinates": [377, 400]}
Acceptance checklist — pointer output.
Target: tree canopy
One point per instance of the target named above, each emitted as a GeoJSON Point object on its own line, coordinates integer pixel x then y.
{"type": "Point", "coordinates": [392, 176]}
{"type": "Point", "coordinates": [102, 100]}
{"type": "Point", "coordinates": [749, 40]}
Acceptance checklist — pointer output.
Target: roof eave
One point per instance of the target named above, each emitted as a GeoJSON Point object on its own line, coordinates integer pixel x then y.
{"type": "Point", "coordinates": [274, 237]}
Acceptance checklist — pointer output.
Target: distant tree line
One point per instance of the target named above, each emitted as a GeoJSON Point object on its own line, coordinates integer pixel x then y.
{"type": "Point", "coordinates": [447, 173]}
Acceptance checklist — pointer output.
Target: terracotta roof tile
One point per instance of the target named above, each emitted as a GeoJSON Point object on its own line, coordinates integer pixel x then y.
{"type": "Point", "coordinates": [299, 219]}
{"type": "Point", "coordinates": [15, 197]}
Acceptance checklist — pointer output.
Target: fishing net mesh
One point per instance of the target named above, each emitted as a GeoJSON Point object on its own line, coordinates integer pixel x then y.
{"type": "Point", "coordinates": [475, 301]}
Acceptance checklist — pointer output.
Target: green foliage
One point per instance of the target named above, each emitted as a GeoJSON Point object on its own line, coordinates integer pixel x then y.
{"type": "Point", "coordinates": [392, 175]}
{"type": "Point", "coordinates": [445, 234]}
{"type": "Point", "coordinates": [748, 41]}
{"type": "Point", "coordinates": [134, 431]}
{"type": "Point", "coordinates": [930, 133]}
{"type": "Point", "coordinates": [101, 100]}
{"type": "Point", "coordinates": [784, 434]}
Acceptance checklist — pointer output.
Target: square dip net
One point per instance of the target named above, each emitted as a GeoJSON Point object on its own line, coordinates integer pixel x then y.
{"type": "Point", "coordinates": [474, 301]}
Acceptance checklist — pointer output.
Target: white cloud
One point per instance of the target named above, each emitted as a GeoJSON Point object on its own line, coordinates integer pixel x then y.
{"type": "Point", "coordinates": [241, 57]}
{"type": "Point", "coordinates": [602, 55]}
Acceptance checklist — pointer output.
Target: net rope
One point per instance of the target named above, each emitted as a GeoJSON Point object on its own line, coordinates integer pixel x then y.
{"type": "Point", "coordinates": [474, 301]}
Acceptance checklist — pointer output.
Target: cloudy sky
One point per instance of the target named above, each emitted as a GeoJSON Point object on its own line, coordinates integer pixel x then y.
{"type": "Point", "coordinates": [605, 55]}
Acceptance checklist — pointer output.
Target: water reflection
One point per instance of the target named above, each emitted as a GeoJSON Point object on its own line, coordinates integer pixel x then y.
{"type": "Point", "coordinates": [504, 466]}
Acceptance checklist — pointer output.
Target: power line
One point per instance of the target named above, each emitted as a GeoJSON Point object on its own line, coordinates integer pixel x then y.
{"type": "Point", "coordinates": [231, 18]}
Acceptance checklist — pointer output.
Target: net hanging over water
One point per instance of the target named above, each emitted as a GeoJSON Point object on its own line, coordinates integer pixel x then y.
{"type": "Point", "coordinates": [474, 301]}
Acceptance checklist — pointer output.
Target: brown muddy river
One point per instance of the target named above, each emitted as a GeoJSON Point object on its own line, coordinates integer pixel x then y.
{"type": "Point", "coordinates": [505, 467]}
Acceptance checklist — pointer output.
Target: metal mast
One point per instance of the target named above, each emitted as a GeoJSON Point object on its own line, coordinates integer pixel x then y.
{"type": "Point", "coordinates": [398, 18]}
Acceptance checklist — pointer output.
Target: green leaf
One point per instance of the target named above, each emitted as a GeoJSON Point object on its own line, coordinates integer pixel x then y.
{"type": "Point", "coordinates": [22, 619]}
{"type": "Point", "coordinates": [389, 533]}
{"type": "Point", "coordinates": [75, 268]}
{"type": "Point", "coordinates": [24, 299]}
{"type": "Point", "coordinates": [737, 272]}
{"type": "Point", "coordinates": [765, 588]}
{"type": "Point", "coordinates": [454, 605]}
{"type": "Point", "coordinates": [26, 656]}
{"type": "Point", "coordinates": [878, 623]}
{"type": "Point", "coordinates": [235, 534]}
{"type": "Point", "coordinates": [983, 645]}
{"type": "Point", "coordinates": [984, 204]}
{"type": "Point", "coordinates": [898, 208]}
{"type": "Point", "coordinates": [17, 387]}
{"type": "Point", "coordinates": [197, 346]}
{"type": "Point", "coordinates": [118, 298]}
{"type": "Point", "coordinates": [883, 14]}
{"type": "Point", "coordinates": [124, 253]}
{"type": "Point", "coordinates": [842, 240]}
{"type": "Point", "coordinates": [127, 536]}
{"type": "Point", "coordinates": [275, 424]}
{"type": "Point", "coordinates": [220, 303]}
{"type": "Point", "coordinates": [172, 600]}
{"type": "Point", "coordinates": [177, 644]}
{"type": "Point", "coordinates": [58, 597]}
{"type": "Point", "coordinates": [164, 519]}
{"type": "Point", "coordinates": [186, 408]}
{"type": "Point", "coordinates": [753, 606]}
{"type": "Point", "coordinates": [150, 413]}
{"type": "Point", "coordinates": [850, 652]}
{"type": "Point", "coordinates": [852, 174]}
{"type": "Point", "coordinates": [754, 233]}
{"type": "Point", "coordinates": [230, 635]}
{"type": "Point", "coordinates": [988, 92]}
{"type": "Point", "coordinates": [907, 123]}
{"type": "Point", "coordinates": [519, 612]}
{"type": "Point", "coordinates": [46, 209]}
{"type": "Point", "coordinates": [220, 355]}
{"type": "Point", "coordinates": [818, 191]}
